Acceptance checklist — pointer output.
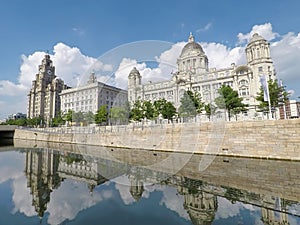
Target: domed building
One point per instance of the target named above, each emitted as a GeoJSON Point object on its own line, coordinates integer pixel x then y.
{"type": "Point", "coordinates": [193, 73]}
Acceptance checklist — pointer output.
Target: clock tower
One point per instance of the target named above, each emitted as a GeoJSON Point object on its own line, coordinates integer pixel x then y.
{"type": "Point", "coordinates": [43, 98]}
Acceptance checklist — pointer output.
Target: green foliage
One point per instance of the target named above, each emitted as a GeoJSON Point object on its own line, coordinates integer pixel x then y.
{"type": "Point", "coordinates": [58, 120]}
{"type": "Point", "coordinates": [89, 117]}
{"type": "Point", "coordinates": [18, 122]}
{"type": "Point", "coordinates": [137, 111]}
{"type": "Point", "coordinates": [69, 116]}
{"type": "Point", "coordinates": [191, 104]}
{"type": "Point", "coordinates": [210, 109]}
{"type": "Point", "coordinates": [78, 117]}
{"type": "Point", "coordinates": [164, 108]}
{"type": "Point", "coordinates": [119, 115]}
{"type": "Point", "coordinates": [150, 111]}
{"type": "Point", "coordinates": [277, 94]}
{"type": "Point", "coordinates": [35, 121]}
{"type": "Point", "coordinates": [230, 101]}
{"type": "Point", "coordinates": [101, 117]}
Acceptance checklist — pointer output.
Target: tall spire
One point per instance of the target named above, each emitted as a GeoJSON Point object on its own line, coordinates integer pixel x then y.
{"type": "Point", "coordinates": [191, 38]}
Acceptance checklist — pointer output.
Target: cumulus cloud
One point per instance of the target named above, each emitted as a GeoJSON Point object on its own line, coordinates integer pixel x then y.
{"type": "Point", "coordinates": [122, 185]}
{"type": "Point", "coordinates": [9, 88]}
{"type": "Point", "coordinates": [265, 30]}
{"type": "Point", "coordinates": [227, 209]}
{"type": "Point", "coordinates": [166, 64]}
{"type": "Point", "coordinates": [73, 66]}
{"type": "Point", "coordinates": [70, 63]}
{"type": "Point", "coordinates": [22, 197]}
{"type": "Point", "coordinates": [173, 201]}
{"type": "Point", "coordinates": [220, 56]}
{"type": "Point", "coordinates": [11, 166]}
{"type": "Point", "coordinates": [63, 206]}
{"type": "Point", "coordinates": [286, 56]}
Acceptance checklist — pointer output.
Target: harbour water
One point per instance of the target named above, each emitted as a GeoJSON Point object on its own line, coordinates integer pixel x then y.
{"type": "Point", "coordinates": [67, 184]}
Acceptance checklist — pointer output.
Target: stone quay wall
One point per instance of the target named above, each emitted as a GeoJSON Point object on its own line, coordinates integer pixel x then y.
{"type": "Point", "coordinates": [270, 139]}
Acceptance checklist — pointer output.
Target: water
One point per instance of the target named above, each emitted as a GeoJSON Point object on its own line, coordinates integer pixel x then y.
{"type": "Point", "coordinates": [65, 184]}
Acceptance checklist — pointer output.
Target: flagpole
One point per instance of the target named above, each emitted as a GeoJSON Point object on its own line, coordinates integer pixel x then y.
{"type": "Point", "coordinates": [269, 101]}
{"type": "Point", "coordinates": [265, 87]}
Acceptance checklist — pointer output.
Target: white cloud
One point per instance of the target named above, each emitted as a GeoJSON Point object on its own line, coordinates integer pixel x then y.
{"type": "Point", "coordinates": [22, 197]}
{"type": "Point", "coordinates": [170, 198]}
{"type": "Point", "coordinates": [166, 64]}
{"type": "Point", "coordinates": [71, 65]}
{"type": "Point", "coordinates": [294, 209]}
{"type": "Point", "coordinates": [205, 28]}
{"type": "Point", "coordinates": [173, 201]}
{"type": "Point", "coordinates": [286, 56]}
{"type": "Point", "coordinates": [264, 30]}
{"type": "Point", "coordinates": [285, 52]}
{"type": "Point", "coordinates": [126, 65]}
{"type": "Point", "coordinates": [220, 56]}
{"type": "Point", "coordinates": [122, 185]}
{"type": "Point", "coordinates": [11, 166]}
{"type": "Point", "coordinates": [63, 206]}
{"type": "Point", "coordinates": [227, 209]}
{"type": "Point", "coordinates": [9, 88]}
{"type": "Point", "coordinates": [79, 31]}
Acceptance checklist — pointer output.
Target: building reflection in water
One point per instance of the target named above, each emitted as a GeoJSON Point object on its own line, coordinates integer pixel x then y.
{"type": "Point", "coordinates": [46, 169]}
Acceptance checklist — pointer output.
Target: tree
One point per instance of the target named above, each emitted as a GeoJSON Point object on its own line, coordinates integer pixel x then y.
{"type": "Point", "coordinates": [69, 116]}
{"type": "Point", "coordinates": [118, 115]}
{"type": "Point", "coordinates": [277, 93]}
{"type": "Point", "coordinates": [18, 122]}
{"type": "Point", "coordinates": [57, 120]}
{"type": "Point", "coordinates": [101, 115]}
{"type": "Point", "coordinates": [230, 101]}
{"type": "Point", "coordinates": [210, 109]}
{"type": "Point", "coordinates": [164, 108]}
{"type": "Point", "coordinates": [137, 112]}
{"type": "Point", "coordinates": [78, 117]}
{"type": "Point", "coordinates": [89, 117]}
{"type": "Point", "coordinates": [148, 110]}
{"type": "Point", "coordinates": [191, 104]}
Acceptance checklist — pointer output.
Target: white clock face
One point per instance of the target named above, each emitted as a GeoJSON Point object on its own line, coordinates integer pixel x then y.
{"type": "Point", "coordinates": [49, 72]}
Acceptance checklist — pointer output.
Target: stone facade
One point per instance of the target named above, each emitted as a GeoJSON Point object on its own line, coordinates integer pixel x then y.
{"type": "Point", "coordinates": [91, 96]}
{"type": "Point", "coordinates": [193, 73]}
{"type": "Point", "coordinates": [270, 139]}
{"type": "Point", "coordinates": [43, 97]}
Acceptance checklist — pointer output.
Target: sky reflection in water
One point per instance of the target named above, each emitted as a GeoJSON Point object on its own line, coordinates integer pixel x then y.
{"type": "Point", "coordinates": [59, 197]}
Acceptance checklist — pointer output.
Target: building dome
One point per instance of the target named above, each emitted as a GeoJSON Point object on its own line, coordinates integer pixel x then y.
{"type": "Point", "coordinates": [256, 37]}
{"type": "Point", "coordinates": [134, 72]}
{"type": "Point", "coordinates": [191, 48]}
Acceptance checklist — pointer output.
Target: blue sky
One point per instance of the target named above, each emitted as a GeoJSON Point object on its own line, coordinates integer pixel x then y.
{"type": "Point", "coordinates": [93, 27]}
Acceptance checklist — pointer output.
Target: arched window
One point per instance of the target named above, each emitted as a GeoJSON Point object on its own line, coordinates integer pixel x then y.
{"type": "Point", "coordinates": [243, 82]}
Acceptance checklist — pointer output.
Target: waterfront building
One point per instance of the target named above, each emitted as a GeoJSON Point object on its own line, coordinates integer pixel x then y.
{"type": "Point", "coordinates": [193, 73]}
{"type": "Point", "coordinates": [289, 110]}
{"type": "Point", "coordinates": [42, 178]}
{"type": "Point", "coordinates": [43, 97]}
{"type": "Point", "coordinates": [91, 96]}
